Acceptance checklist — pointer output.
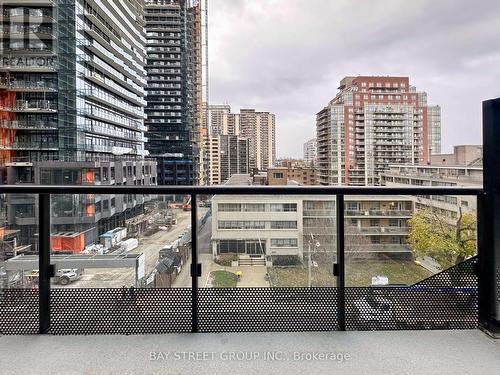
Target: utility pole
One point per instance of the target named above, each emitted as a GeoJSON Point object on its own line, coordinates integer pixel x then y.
{"type": "Point", "coordinates": [309, 275]}
{"type": "Point", "coordinates": [309, 279]}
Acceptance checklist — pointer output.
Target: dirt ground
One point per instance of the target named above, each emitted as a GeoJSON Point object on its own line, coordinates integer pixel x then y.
{"type": "Point", "coordinates": [150, 246]}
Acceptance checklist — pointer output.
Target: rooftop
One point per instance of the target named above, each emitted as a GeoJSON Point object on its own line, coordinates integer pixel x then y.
{"type": "Point", "coordinates": [239, 179]}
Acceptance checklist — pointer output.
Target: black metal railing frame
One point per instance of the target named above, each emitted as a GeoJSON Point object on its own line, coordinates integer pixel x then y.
{"type": "Point", "coordinates": [44, 193]}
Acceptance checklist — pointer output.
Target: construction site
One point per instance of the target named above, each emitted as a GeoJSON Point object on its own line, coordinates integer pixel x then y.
{"type": "Point", "coordinates": [149, 251]}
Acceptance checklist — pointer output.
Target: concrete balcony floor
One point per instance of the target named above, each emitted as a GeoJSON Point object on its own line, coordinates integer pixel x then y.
{"type": "Point", "coordinates": [385, 352]}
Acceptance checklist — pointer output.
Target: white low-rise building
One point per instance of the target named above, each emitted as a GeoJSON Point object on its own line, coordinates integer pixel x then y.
{"type": "Point", "coordinates": [270, 225]}
{"type": "Point", "coordinates": [286, 225]}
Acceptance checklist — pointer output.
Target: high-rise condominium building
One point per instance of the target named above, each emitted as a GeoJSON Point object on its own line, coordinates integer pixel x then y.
{"type": "Point", "coordinates": [212, 146]}
{"type": "Point", "coordinates": [373, 122]}
{"type": "Point", "coordinates": [434, 124]}
{"type": "Point", "coordinates": [234, 156]}
{"type": "Point", "coordinates": [214, 123]}
{"type": "Point", "coordinates": [218, 115]}
{"type": "Point", "coordinates": [231, 125]}
{"type": "Point", "coordinates": [72, 104]}
{"type": "Point", "coordinates": [259, 128]}
{"type": "Point", "coordinates": [222, 121]}
{"type": "Point", "coordinates": [228, 155]}
{"type": "Point", "coordinates": [310, 152]}
{"type": "Point", "coordinates": [174, 92]}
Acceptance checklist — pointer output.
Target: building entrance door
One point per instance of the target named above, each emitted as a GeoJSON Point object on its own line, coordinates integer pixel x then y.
{"type": "Point", "coordinates": [255, 248]}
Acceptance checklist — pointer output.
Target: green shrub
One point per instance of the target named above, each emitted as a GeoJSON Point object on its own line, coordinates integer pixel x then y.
{"type": "Point", "coordinates": [286, 260]}
{"type": "Point", "coordinates": [226, 259]}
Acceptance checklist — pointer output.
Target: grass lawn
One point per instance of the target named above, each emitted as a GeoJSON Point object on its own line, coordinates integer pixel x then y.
{"type": "Point", "coordinates": [297, 277]}
{"type": "Point", "coordinates": [223, 279]}
{"type": "Point", "coordinates": [358, 273]}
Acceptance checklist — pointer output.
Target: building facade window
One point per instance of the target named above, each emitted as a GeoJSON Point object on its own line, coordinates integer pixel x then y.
{"type": "Point", "coordinates": [283, 207]}
{"type": "Point", "coordinates": [254, 207]}
{"type": "Point", "coordinates": [230, 224]}
{"type": "Point", "coordinates": [284, 242]}
{"type": "Point", "coordinates": [229, 207]}
{"type": "Point", "coordinates": [283, 225]}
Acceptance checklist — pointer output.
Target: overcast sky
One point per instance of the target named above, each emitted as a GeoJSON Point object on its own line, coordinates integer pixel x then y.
{"type": "Point", "coordinates": [288, 56]}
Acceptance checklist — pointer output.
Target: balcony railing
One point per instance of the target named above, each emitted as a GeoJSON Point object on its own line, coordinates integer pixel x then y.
{"type": "Point", "coordinates": [198, 309]}
{"type": "Point", "coordinates": [383, 230]}
{"type": "Point", "coordinates": [29, 146]}
{"type": "Point", "coordinates": [380, 248]}
{"type": "Point", "coordinates": [28, 125]}
{"type": "Point", "coordinates": [32, 106]}
{"type": "Point", "coordinates": [368, 213]}
{"type": "Point", "coordinates": [38, 86]}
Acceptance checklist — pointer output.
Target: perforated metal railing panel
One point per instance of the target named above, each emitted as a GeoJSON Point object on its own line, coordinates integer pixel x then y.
{"type": "Point", "coordinates": [267, 309]}
{"type": "Point", "coordinates": [18, 311]}
{"type": "Point", "coordinates": [117, 311]}
{"type": "Point", "coordinates": [463, 274]}
{"type": "Point", "coordinates": [447, 300]}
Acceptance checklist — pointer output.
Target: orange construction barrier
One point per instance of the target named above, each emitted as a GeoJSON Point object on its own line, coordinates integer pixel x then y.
{"type": "Point", "coordinates": [74, 244]}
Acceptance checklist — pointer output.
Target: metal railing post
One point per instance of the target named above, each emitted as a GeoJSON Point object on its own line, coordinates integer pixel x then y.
{"type": "Point", "coordinates": [484, 238]}
{"type": "Point", "coordinates": [488, 214]}
{"type": "Point", "coordinates": [340, 262]}
{"type": "Point", "coordinates": [44, 271]}
{"type": "Point", "coordinates": [195, 267]}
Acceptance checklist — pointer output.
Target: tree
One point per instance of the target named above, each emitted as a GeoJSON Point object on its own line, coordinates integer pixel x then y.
{"type": "Point", "coordinates": [448, 242]}
{"type": "Point", "coordinates": [356, 244]}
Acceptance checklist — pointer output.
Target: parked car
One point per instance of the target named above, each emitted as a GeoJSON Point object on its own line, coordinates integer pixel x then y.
{"type": "Point", "coordinates": [373, 308]}
{"type": "Point", "coordinates": [66, 276]}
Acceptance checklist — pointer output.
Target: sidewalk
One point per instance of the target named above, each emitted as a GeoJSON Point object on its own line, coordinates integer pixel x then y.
{"type": "Point", "coordinates": [251, 276]}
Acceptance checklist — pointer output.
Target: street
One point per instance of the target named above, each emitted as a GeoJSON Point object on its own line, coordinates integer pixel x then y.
{"type": "Point", "coordinates": [204, 237]}
{"type": "Point", "coordinates": [150, 247]}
